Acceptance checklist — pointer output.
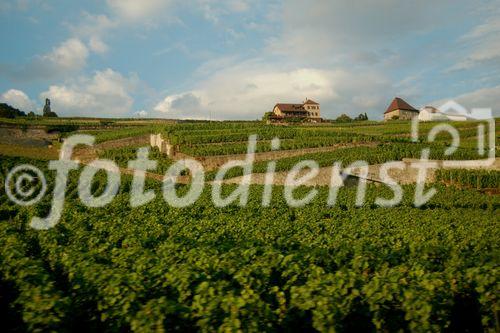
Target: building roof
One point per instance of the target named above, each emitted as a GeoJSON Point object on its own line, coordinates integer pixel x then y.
{"type": "Point", "coordinates": [308, 101]}
{"type": "Point", "coordinates": [399, 104]}
{"type": "Point", "coordinates": [290, 107]}
{"type": "Point", "coordinates": [430, 109]}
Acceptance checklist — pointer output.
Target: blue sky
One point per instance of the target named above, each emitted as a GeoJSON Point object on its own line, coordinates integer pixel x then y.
{"type": "Point", "coordinates": [234, 59]}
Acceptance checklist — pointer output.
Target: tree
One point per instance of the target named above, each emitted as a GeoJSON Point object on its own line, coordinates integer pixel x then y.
{"type": "Point", "coordinates": [294, 119]}
{"type": "Point", "coordinates": [343, 118]}
{"type": "Point", "coordinates": [361, 117]}
{"type": "Point", "coordinates": [7, 111]}
{"type": "Point", "coordinates": [266, 116]}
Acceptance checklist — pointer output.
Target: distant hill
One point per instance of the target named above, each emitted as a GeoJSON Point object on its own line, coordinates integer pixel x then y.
{"type": "Point", "coordinates": [7, 111]}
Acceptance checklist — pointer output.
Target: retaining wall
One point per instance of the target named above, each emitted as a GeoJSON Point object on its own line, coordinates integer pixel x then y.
{"type": "Point", "coordinates": [163, 145]}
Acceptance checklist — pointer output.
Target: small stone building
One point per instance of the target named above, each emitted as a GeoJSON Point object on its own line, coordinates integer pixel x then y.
{"type": "Point", "coordinates": [401, 110]}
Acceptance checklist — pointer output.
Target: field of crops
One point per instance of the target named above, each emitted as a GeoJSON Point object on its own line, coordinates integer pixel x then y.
{"type": "Point", "coordinates": [252, 269]}
{"type": "Point", "coordinates": [82, 122]}
{"type": "Point", "coordinates": [211, 139]}
{"type": "Point", "coordinates": [470, 178]}
{"type": "Point", "coordinates": [372, 155]}
{"type": "Point", "coordinates": [120, 133]}
{"type": "Point", "coordinates": [123, 155]}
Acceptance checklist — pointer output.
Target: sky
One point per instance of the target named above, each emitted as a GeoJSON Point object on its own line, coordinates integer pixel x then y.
{"type": "Point", "coordinates": [235, 59]}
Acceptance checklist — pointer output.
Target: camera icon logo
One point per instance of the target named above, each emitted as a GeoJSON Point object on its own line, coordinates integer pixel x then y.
{"type": "Point", "coordinates": [457, 112]}
{"type": "Point", "coordinates": [451, 112]}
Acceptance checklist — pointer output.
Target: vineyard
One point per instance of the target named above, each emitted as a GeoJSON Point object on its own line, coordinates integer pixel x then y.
{"type": "Point", "coordinates": [253, 269]}
{"type": "Point", "coordinates": [115, 134]}
{"type": "Point", "coordinates": [240, 166]}
{"type": "Point", "coordinates": [476, 179]}
{"type": "Point", "coordinates": [121, 156]}
{"type": "Point", "coordinates": [213, 139]}
{"type": "Point", "coordinates": [372, 155]}
{"type": "Point", "coordinates": [257, 269]}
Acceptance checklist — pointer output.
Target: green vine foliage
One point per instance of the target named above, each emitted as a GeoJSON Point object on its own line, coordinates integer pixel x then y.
{"type": "Point", "coordinates": [470, 178]}
{"type": "Point", "coordinates": [253, 269]}
{"type": "Point", "coordinates": [121, 156]}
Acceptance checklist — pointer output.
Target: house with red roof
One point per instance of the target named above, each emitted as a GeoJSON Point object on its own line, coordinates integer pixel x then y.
{"type": "Point", "coordinates": [401, 110]}
{"type": "Point", "coordinates": [308, 110]}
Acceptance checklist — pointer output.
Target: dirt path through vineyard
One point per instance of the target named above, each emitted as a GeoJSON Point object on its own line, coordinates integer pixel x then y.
{"type": "Point", "coordinates": [408, 175]}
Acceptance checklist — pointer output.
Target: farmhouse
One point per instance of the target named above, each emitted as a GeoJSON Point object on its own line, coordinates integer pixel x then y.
{"type": "Point", "coordinates": [309, 110]}
{"type": "Point", "coordinates": [399, 109]}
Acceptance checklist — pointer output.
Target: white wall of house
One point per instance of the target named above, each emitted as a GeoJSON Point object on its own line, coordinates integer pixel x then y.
{"type": "Point", "coordinates": [426, 115]}
{"type": "Point", "coordinates": [313, 110]}
{"type": "Point", "coordinates": [277, 111]}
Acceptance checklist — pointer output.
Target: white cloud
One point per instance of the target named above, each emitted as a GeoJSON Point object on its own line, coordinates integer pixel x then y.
{"type": "Point", "coordinates": [324, 29]}
{"type": "Point", "coordinates": [485, 51]}
{"type": "Point", "coordinates": [492, 25]}
{"type": "Point", "coordinates": [97, 45]}
{"type": "Point", "coordinates": [248, 90]}
{"type": "Point", "coordinates": [94, 28]}
{"type": "Point", "coordinates": [488, 50]}
{"type": "Point", "coordinates": [21, 5]}
{"type": "Point", "coordinates": [106, 94]}
{"type": "Point", "coordinates": [186, 105]}
{"type": "Point", "coordinates": [480, 98]}
{"type": "Point", "coordinates": [92, 25]}
{"type": "Point", "coordinates": [141, 114]}
{"type": "Point", "coordinates": [238, 6]}
{"type": "Point", "coordinates": [482, 43]}
{"type": "Point", "coordinates": [68, 57]}
{"type": "Point", "coordinates": [71, 55]}
{"type": "Point", "coordinates": [214, 10]}
{"type": "Point", "coordinates": [367, 101]}
{"type": "Point", "coordinates": [135, 10]}
{"type": "Point", "coordinates": [18, 99]}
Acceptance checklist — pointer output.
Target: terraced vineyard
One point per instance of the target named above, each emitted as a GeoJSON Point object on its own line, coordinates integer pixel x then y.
{"type": "Point", "coordinates": [254, 269]}
{"type": "Point", "coordinates": [123, 155]}
{"type": "Point", "coordinates": [372, 155]}
{"type": "Point", "coordinates": [259, 268]}
{"type": "Point", "coordinates": [475, 179]}
{"type": "Point", "coordinates": [211, 139]}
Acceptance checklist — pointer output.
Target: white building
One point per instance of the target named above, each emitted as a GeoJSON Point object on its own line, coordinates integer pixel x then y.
{"type": "Point", "coordinates": [430, 113]}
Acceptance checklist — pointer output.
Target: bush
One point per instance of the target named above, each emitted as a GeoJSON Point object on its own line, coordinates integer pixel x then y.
{"type": "Point", "coordinates": [61, 128]}
{"type": "Point", "coordinates": [343, 118]}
